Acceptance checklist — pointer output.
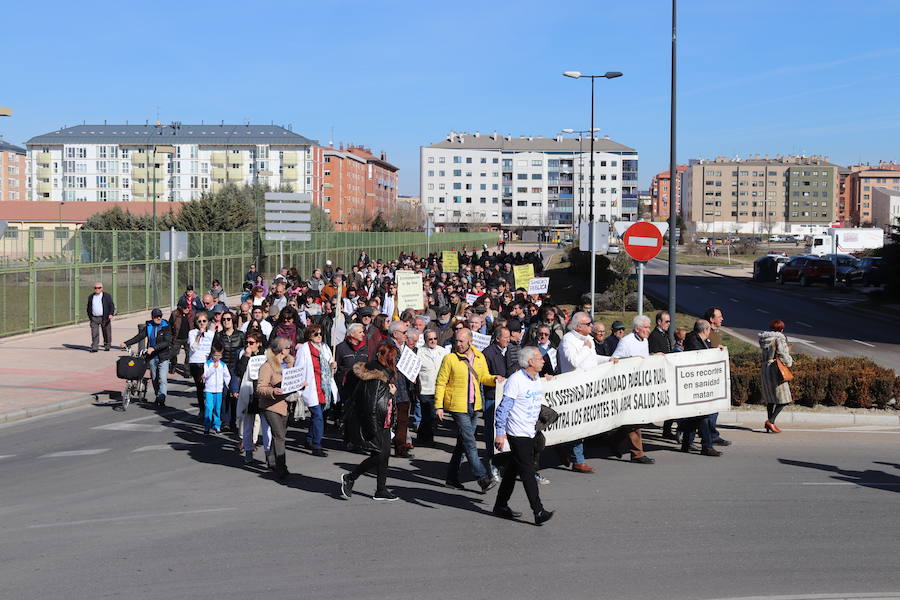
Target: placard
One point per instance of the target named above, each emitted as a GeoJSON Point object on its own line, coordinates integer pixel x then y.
{"type": "Point", "coordinates": [292, 379]}
{"type": "Point", "coordinates": [538, 285]}
{"type": "Point", "coordinates": [480, 340]}
{"type": "Point", "coordinates": [523, 274]}
{"type": "Point", "coordinates": [471, 298]}
{"type": "Point", "coordinates": [409, 364]}
{"type": "Point", "coordinates": [409, 291]}
{"type": "Point", "coordinates": [253, 365]}
{"type": "Point", "coordinates": [450, 261]}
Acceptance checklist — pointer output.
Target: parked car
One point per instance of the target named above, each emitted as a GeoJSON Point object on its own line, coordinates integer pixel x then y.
{"type": "Point", "coordinates": [612, 249]}
{"type": "Point", "coordinates": [846, 265]}
{"type": "Point", "coordinates": [807, 270]}
{"type": "Point", "coordinates": [869, 271]}
{"type": "Point", "coordinates": [766, 268]}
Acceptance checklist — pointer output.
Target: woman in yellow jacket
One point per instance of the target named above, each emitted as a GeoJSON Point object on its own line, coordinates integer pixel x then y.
{"type": "Point", "coordinates": [457, 390]}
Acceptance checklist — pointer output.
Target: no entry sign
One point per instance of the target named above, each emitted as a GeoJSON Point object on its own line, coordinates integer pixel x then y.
{"type": "Point", "coordinates": [643, 241]}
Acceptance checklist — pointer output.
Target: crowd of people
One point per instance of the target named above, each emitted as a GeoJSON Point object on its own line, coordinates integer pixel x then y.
{"type": "Point", "coordinates": [477, 330]}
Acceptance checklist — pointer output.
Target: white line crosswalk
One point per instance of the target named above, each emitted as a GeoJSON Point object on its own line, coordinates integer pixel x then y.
{"type": "Point", "coordinates": [68, 453]}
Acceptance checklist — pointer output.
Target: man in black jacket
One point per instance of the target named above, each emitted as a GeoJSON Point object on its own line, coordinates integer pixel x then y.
{"type": "Point", "coordinates": [698, 339]}
{"type": "Point", "coordinates": [658, 342]}
{"type": "Point", "coordinates": [159, 337]}
{"type": "Point", "coordinates": [100, 311]}
{"type": "Point", "coordinates": [495, 355]}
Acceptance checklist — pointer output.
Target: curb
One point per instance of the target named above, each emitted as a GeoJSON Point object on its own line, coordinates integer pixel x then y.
{"type": "Point", "coordinates": [800, 417]}
{"type": "Point", "coordinates": [35, 411]}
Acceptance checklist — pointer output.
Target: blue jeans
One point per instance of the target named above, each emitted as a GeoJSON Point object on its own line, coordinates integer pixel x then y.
{"type": "Point", "coordinates": [465, 443]}
{"type": "Point", "coordinates": [212, 410]}
{"type": "Point", "coordinates": [316, 426]}
{"type": "Point", "coordinates": [159, 375]}
{"type": "Point", "coordinates": [415, 412]}
{"type": "Point", "coordinates": [713, 432]}
{"type": "Point", "coordinates": [488, 415]}
{"type": "Point", "coordinates": [578, 452]}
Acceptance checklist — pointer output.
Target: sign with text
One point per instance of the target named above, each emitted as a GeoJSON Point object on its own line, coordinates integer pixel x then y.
{"type": "Point", "coordinates": [471, 298]}
{"type": "Point", "coordinates": [409, 364]}
{"type": "Point", "coordinates": [538, 285]}
{"type": "Point", "coordinates": [292, 379]}
{"type": "Point", "coordinates": [409, 291]}
{"type": "Point", "coordinates": [480, 340]}
{"type": "Point", "coordinates": [523, 274]}
{"type": "Point", "coordinates": [635, 391]}
{"type": "Point", "coordinates": [253, 365]}
{"type": "Point", "coordinates": [450, 261]}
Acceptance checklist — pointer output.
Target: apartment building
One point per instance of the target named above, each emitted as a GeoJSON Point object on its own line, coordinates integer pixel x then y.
{"type": "Point", "coordinates": [480, 182]}
{"type": "Point", "coordinates": [175, 162]}
{"type": "Point", "coordinates": [885, 207]}
{"type": "Point", "coordinates": [660, 192]}
{"type": "Point", "coordinates": [760, 194]}
{"type": "Point", "coordinates": [357, 186]}
{"type": "Point", "coordinates": [859, 184]}
{"type": "Point", "coordinates": [12, 172]}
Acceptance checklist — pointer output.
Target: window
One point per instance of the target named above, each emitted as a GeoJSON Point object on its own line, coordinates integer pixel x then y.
{"type": "Point", "coordinates": [430, 186]}
{"type": "Point", "coordinates": [468, 160]}
{"type": "Point", "coordinates": [537, 176]}
{"type": "Point", "coordinates": [431, 173]}
{"type": "Point", "coordinates": [37, 232]}
{"type": "Point", "coordinates": [521, 190]}
{"type": "Point", "coordinates": [457, 159]}
{"type": "Point", "coordinates": [522, 176]}
{"type": "Point", "coordinates": [521, 203]}
{"type": "Point", "coordinates": [430, 160]}
{"type": "Point", "coordinates": [537, 163]}
{"type": "Point", "coordinates": [457, 172]}
{"type": "Point", "coordinates": [442, 160]}
{"type": "Point", "coordinates": [535, 190]}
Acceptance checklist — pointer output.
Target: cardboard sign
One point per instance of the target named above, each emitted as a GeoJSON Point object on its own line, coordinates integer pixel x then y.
{"type": "Point", "coordinates": [523, 274]}
{"type": "Point", "coordinates": [253, 365]}
{"type": "Point", "coordinates": [538, 285]}
{"type": "Point", "coordinates": [471, 298]}
{"type": "Point", "coordinates": [450, 261]}
{"type": "Point", "coordinates": [292, 379]}
{"type": "Point", "coordinates": [480, 340]}
{"type": "Point", "coordinates": [409, 364]}
{"type": "Point", "coordinates": [409, 291]}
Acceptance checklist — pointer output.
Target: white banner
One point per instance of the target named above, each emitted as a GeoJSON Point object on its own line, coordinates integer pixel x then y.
{"type": "Point", "coordinates": [538, 285]}
{"type": "Point", "coordinates": [471, 298]}
{"type": "Point", "coordinates": [292, 379]}
{"type": "Point", "coordinates": [637, 390]}
{"type": "Point", "coordinates": [409, 291]}
{"type": "Point", "coordinates": [480, 340]}
{"type": "Point", "coordinates": [253, 365]}
{"type": "Point", "coordinates": [409, 364]}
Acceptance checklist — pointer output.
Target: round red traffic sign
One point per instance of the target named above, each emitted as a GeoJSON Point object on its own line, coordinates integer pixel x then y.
{"type": "Point", "coordinates": [643, 241]}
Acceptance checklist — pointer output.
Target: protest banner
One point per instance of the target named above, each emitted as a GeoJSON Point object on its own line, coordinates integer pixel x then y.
{"type": "Point", "coordinates": [253, 365]}
{"type": "Point", "coordinates": [471, 298]}
{"type": "Point", "coordinates": [409, 291]}
{"type": "Point", "coordinates": [538, 285]}
{"type": "Point", "coordinates": [450, 261]}
{"type": "Point", "coordinates": [480, 340]}
{"type": "Point", "coordinates": [409, 364]}
{"type": "Point", "coordinates": [292, 379]}
{"type": "Point", "coordinates": [635, 391]}
{"type": "Point", "coordinates": [523, 274]}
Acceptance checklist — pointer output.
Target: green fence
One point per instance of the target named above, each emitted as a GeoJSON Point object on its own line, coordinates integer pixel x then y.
{"type": "Point", "coordinates": [46, 276]}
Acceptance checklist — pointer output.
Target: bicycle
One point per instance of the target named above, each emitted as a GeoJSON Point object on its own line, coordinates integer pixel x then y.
{"type": "Point", "coordinates": [132, 368]}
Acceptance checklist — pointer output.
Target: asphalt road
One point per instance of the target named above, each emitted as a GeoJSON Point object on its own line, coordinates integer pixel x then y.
{"type": "Point", "coordinates": [98, 503]}
{"type": "Point", "coordinates": [817, 319]}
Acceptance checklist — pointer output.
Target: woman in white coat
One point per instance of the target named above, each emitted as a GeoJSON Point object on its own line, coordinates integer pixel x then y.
{"type": "Point", "coordinates": [249, 423]}
{"type": "Point", "coordinates": [319, 365]}
{"type": "Point", "coordinates": [776, 392]}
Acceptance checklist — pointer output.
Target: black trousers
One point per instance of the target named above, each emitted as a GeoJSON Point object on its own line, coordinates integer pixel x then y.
{"type": "Point", "coordinates": [378, 461]}
{"type": "Point", "coordinates": [278, 424]}
{"type": "Point", "coordinates": [99, 324]}
{"type": "Point", "coordinates": [521, 463]}
{"type": "Point", "coordinates": [197, 374]}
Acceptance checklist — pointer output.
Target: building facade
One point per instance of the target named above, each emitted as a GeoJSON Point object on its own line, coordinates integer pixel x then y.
{"type": "Point", "coordinates": [345, 190]}
{"type": "Point", "coordinates": [758, 195]}
{"type": "Point", "coordinates": [12, 172]}
{"type": "Point", "coordinates": [860, 183]}
{"type": "Point", "coordinates": [660, 192]}
{"type": "Point", "coordinates": [885, 207]}
{"type": "Point", "coordinates": [176, 162]}
{"type": "Point", "coordinates": [479, 182]}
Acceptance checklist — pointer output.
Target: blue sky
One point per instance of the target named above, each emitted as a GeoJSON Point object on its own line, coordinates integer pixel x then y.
{"type": "Point", "coordinates": [766, 77]}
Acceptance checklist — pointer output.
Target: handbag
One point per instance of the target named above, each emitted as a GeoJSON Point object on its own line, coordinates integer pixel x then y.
{"type": "Point", "coordinates": [784, 373]}
{"type": "Point", "coordinates": [547, 417]}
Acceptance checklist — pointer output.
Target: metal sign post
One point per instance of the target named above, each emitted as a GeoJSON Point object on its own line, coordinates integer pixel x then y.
{"type": "Point", "coordinates": [642, 241]}
{"type": "Point", "coordinates": [287, 219]}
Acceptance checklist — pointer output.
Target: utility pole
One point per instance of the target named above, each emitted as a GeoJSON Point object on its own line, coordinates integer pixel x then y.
{"type": "Point", "coordinates": [673, 218]}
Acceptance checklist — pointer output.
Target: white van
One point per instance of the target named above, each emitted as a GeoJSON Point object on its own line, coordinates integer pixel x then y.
{"type": "Point", "coordinates": [839, 240]}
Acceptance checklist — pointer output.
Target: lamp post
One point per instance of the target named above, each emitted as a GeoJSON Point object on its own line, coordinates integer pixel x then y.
{"type": "Point", "coordinates": [673, 178]}
{"type": "Point", "coordinates": [167, 149]}
{"type": "Point", "coordinates": [580, 133]}
{"type": "Point", "coordinates": [579, 75]}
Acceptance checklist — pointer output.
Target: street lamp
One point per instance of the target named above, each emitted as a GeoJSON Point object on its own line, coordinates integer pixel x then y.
{"type": "Point", "coordinates": [580, 133]}
{"type": "Point", "coordinates": [160, 149]}
{"type": "Point", "coordinates": [580, 75]}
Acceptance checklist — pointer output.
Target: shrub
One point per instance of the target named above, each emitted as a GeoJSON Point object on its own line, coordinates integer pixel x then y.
{"type": "Point", "coordinates": [838, 382]}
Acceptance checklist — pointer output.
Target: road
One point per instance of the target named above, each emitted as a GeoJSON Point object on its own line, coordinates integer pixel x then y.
{"type": "Point", "coordinates": [98, 503]}
{"type": "Point", "coordinates": [816, 319]}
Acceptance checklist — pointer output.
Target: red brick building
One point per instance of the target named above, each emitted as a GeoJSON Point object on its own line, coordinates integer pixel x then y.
{"type": "Point", "coordinates": [381, 181]}
{"type": "Point", "coordinates": [12, 172]}
{"type": "Point", "coordinates": [344, 190]}
{"type": "Point", "coordinates": [660, 196]}
{"type": "Point", "coordinates": [859, 184]}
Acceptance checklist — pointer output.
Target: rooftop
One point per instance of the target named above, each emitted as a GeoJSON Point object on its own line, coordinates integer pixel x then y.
{"type": "Point", "coordinates": [766, 160]}
{"type": "Point", "coordinates": [174, 133]}
{"type": "Point", "coordinates": [7, 147]}
{"type": "Point", "coordinates": [45, 211]}
{"type": "Point", "coordinates": [507, 143]}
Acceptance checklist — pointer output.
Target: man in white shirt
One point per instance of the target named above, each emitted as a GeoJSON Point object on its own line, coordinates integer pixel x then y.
{"type": "Point", "coordinates": [100, 310]}
{"type": "Point", "coordinates": [632, 345]}
{"type": "Point", "coordinates": [257, 315]}
{"type": "Point", "coordinates": [576, 353]}
{"type": "Point", "coordinates": [430, 356]}
{"type": "Point", "coordinates": [515, 423]}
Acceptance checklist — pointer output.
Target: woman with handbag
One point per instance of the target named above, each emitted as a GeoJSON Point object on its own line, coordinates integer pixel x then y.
{"type": "Point", "coordinates": [775, 372]}
{"type": "Point", "coordinates": [273, 401]}
{"type": "Point", "coordinates": [248, 404]}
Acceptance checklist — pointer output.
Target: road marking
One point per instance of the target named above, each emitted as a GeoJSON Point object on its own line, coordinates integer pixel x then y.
{"type": "Point", "coordinates": [67, 453]}
{"type": "Point", "coordinates": [865, 343]}
{"type": "Point", "coordinates": [862, 483]}
{"type": "Point", "coordinates": [759, 310]}
{"type": "Point", "coordinates": [169, 446]}
{"type": "Point", "coordinates": [734, 299]}
{"type": "Point", "coordinates": [130, 427]}
{"type": "Point", "coordinates": [134, 517]}
{"type": "Point", "coordinates": [804, 324]}
{"type": "Point", "coordinates": [2, 456]}
{"type": "Point", "coordinates": [835, 430]}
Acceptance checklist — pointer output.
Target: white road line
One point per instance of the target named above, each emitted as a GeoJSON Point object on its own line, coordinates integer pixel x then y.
{"type": "Point", "coordinates": [134, 517]}
{"type": "Point", "coordinates": [130, 427]}
{"type": "Point", "coordinates": [861, 483]}
{"type": "Point", "coordinates": [804, 324]}
{"type": "Point", "coordinates": [169, 446]}
{"type": "Point", "coordinates": [859, 431]}
{"type": "Point", "coordinates": [759, 310]}
{"type": "Point", "coordinates": [2, 456]}
{"type": "Point", "coordinates": [67, 453]}
{"type": "Point", "coordinates": [734, 299]}
{"type": "Point", "coordinates": [865, 343]}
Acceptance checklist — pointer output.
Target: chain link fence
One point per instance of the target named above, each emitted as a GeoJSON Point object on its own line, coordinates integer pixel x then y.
{"type": "Point", "coordinates": [46, 276]}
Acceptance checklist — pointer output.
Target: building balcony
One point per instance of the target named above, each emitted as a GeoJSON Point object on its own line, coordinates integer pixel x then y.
{"type": "Point", "coordinates": [218, 173]}
{"type": "Point", "coordinates": [216, 186]}
{"type": "Point", "coordinates": [159, 159]}
{"type": "Point", "coordinates": [291, 175]}
{"type": "Point", "coordinates": [139, 189]}
{"type": "Point", "coordinates": [44, 187]}
{"type": "Point", "coordinates": [139, 173]}
{"type": "Point", "coordinates": [218, 158]}
{"type": "Point", "coordinates": [235, 174]}
{"type": "Point", "coordinates": [43, 158]}
{"type": "Point", "coordinates": [289, 158]}
{"type": "Point", "coordinates": [44, 173]}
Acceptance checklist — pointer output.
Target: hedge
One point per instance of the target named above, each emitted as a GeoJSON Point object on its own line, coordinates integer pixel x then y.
{"type": "Point", "coordinates": [854, 382]}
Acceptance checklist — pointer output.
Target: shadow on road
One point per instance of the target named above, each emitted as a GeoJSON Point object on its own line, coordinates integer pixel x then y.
{"type": "Point", "coordinates": [869, 478]}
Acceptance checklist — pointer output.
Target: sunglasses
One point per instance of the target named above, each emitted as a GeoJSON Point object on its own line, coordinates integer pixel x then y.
{"type": "Point", "coordinates": [431, 339]}
{"type": "Point", "coordinates": [315, 335]}
{"type": "Point", "coordinates": [202, 321]}
{"type": "Point", "coordinates": [226, 318]}
{"type": "Point", "coordinates": [98, 287]}
{"type": "Point", "coordinates": [543, 334]}
{"type": "Point", "coordinates": [252, 343]}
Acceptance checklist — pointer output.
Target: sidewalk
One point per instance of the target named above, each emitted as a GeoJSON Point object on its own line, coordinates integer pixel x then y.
{"type": "Point", "coordinates": [53, 370]}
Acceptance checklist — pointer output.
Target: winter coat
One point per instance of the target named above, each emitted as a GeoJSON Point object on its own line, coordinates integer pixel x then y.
{"type": "Point", "coordinates": [451, 390]}
{"type": "Point", "coordinates": [371, 407]}
{"type": "Point", "coordinates": [231, 346]}
{"type": "Point", "coordinates": [774, 345]}
{"type": "Point", "coordinates": [163, 338]}
{"type": "Point", "coordinates": [268, 380]}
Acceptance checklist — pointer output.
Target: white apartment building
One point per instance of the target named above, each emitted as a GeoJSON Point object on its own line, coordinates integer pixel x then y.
{"type": "Point", "coordinates": [132, 163]}
{"type": "Point", "coordinates": [477, 182]}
